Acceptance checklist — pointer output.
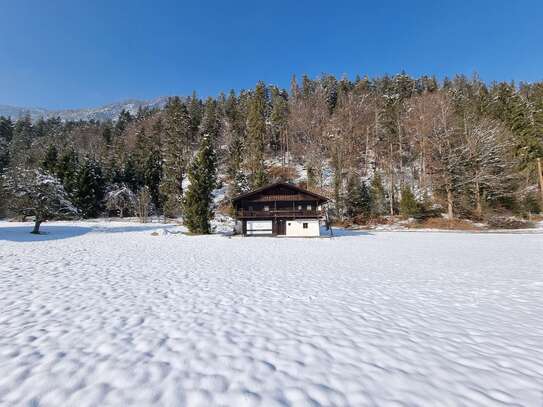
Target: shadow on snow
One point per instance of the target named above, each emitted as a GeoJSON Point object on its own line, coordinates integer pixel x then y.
{"type": "Point", "coordinates": [341, 232]}
{"type": "Point", "coordinates": [56, 232]}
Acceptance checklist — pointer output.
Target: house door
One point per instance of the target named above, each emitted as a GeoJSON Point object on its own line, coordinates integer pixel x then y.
{"type": "Point", "coordinates": [280, 227]}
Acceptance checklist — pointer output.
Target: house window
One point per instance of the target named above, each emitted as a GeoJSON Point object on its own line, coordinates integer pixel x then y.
{"type": "Point", "coordinates": [266, 208]}
{"type": "Point", "coordinates": [309, 207]}
{"type": "Point", "coordinates": [299, 207]}
{"type": "Point", "coordinates": [289, 223]}
{"type": "Point", "coordinates": [305, 225]}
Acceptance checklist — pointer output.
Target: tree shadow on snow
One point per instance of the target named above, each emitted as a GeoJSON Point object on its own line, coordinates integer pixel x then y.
{"type": "Point", "coordinates": [341, 232]}
{"type": "Point", "coordinates": [22, 233]}
{"type": "Point", "coordinates": [122, 229]}
{"type": "Point", "coordinates": [58, 232]}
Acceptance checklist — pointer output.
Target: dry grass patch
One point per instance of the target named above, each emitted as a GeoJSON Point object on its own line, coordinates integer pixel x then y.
{"type": "Point", "coordinates": [443, 223]}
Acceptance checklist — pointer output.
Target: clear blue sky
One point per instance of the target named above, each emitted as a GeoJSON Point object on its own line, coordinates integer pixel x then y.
{"type": "Point", "coordinates": [79, 53]}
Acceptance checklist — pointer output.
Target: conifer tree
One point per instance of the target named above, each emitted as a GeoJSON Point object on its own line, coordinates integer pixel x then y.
{"type": "Point", "coordinates": [197, 203]}
{"type": "Point", "coordinates": [235, 149]}
{"type": "Point", "coordinates": [527, 146]}
{"type": "Point", "coordinates": [176, 154]}
{"type": "Point", "coordinates": [107, 134]}
{"type": "Point", "coordinates": [210, 122]}
{"type": "Point", "coordinates": [89, 191]}
{"type": "Point", "coordinates": [279, 120]}
{"type": "Point", "coordinates": [122, 123]}
{"type": "Point", "coordinates": [50, 161]}
{"type": "Point", "coordinates": [132, 174]}
{"type": "Point", "coordinates": [195, 111]}
{"type": "Point", "coordinates": [67, 169]}
{"type": "Point", "coordinates": [357, 199]}
{"type": "Point", "coordinates": [153, 176]}
{"type": "Point", "coordinates": [408, 204]}
{"type": "Point", "coordinates": [23, 135]}
{"type": "Point", "coordinates": [6, 134]}
{"type": "Point", "coordinates": [378, 196]}
{"type": "Point", "coordinates": [256, 134]}
{"type": "Point", "coordinates": [148, 161]}
{"type": "Point", "coordinates": [240, 184]}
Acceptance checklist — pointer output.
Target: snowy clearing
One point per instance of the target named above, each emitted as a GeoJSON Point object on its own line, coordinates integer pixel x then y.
{"type": "Point", "coordinates": [98, 313]}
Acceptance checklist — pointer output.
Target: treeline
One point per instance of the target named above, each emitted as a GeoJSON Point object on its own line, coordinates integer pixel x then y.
{"type": "Point", "coordinates": [376, 146]}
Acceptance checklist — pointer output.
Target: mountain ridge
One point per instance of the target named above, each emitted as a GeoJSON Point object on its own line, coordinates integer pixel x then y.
{"type": "Point", "coordinates": [105, 112]}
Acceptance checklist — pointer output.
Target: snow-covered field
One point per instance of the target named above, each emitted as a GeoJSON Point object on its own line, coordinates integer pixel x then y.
{"type": "Point", "coordinates": [108, 314]}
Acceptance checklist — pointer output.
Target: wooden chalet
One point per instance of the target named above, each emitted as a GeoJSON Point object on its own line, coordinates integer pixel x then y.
{"type": "Point", "coordinates": [279, 209]}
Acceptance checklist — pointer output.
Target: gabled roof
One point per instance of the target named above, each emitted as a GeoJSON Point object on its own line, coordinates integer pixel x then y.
{"type": "Point", "coordinates": [279, 184]}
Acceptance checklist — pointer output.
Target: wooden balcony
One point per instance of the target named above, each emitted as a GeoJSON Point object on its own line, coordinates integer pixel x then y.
{"type": "Point", "coordinates": [279, 213]}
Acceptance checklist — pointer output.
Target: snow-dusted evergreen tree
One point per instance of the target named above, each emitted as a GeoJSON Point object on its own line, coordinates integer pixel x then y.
{"type": "Point", "coordinates": [279, 122]}
{"type": "Point", "coordinates": [50, 161]}
{"type": "Point", "coordinates": [211, 124]}
{"type": "Point", "coordinates": [197, 204]}
{"type": "Point", "coordinates": [132, 174]}
{"type": "Point", "coordinates": [152, 177]}
{"type": "Point", "coordinates": [6, 134]}
{"type": "Point", "coordinates": [240, 184]}
{"type": "Point", "coordinates": [235, 130]}
{"type": "Point", "coordinates": [23, 136]}
{"type": "Point", "coordinates": [67, 169]}
{"type": "Point", "coordinates": [195, 110]}
{"type": "Point", "coordinates": [357, 198]}
{"type": "Point", "coordinates": [256, 136]}
{"type": "Point", "coordinates": [38, 194]}
{"type": "Point", "coordinates": [408, 203]}
{"type": "Point", "coordinates": [120, 198]}
{"type": "Point", "coordinates": [89, 191]}
{"type": "Point", "coordinates": [122, 122]}
{"type": "Point", "coordinates": [378, 196]}
{"type": "Point", "coordinates": [176, 154]}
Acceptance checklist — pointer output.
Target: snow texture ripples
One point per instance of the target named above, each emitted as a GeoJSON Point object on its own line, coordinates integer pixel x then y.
{"type": "Point", "coordinates": [101, 314]}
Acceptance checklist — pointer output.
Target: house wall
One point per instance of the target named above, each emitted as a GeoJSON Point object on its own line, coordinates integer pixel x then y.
{"type": "Point", "coordinates": [295, 227]}
{"type": "Point", "coordinates": [259, 227]}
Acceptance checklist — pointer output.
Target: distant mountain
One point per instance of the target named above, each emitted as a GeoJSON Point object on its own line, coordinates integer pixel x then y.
{"type": "Point", "coordinates": [106, 112]}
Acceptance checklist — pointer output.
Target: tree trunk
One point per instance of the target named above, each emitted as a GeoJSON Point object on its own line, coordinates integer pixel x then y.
{"type": "Point", "coordinates": [36, 229]}
{"type": "Point", "coordinates": [478, 204]}
{"type": "Point", "coordinates": [540, 173]}
{"type": "Point", "coordinates": [450, 213]}
{"type": "Point", "coordinates": [391, 168]}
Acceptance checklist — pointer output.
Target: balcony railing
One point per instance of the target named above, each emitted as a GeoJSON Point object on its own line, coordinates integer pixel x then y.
{"type": "Point", "coordinates": [279, 213]}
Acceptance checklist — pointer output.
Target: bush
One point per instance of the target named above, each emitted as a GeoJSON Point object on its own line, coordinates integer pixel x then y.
{"type": "Point", "coordinates": [530, 204]}
{"type": "Point", "coordinates": [501, 222]}
{"type": "Point", "coordinates": [409, 206]}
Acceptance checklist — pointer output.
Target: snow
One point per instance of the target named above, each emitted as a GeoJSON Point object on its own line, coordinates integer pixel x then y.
{"type": "Point", "coordinates": [111, 313]}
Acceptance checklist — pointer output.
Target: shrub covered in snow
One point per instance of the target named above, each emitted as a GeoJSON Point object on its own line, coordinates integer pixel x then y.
{"type": "Point", "coordinates": [38, 194]}
{"type": "Point", "coordinates": [120, 198]}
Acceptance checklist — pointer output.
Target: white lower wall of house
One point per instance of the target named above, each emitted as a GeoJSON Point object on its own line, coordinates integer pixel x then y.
{"type": "Point", "coordinates": [259, 227]}
{"type": "Point", "coordinates": [296, 227]}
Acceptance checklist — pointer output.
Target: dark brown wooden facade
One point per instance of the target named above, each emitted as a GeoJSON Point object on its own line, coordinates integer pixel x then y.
{"type": "Point", "coordinates": [279, 203]}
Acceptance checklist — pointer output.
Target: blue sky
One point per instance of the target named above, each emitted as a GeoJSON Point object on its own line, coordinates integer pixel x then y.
{"type": "Point", "coordinates": [75, 53]}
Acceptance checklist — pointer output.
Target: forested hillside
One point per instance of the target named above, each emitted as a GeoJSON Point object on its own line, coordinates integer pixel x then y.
{"type": "Point", "coordinates": [377, 147]}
